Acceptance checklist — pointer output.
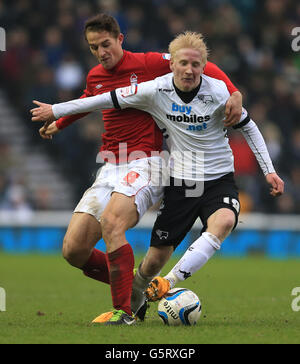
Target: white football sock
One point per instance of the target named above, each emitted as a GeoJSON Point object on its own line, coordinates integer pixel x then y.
{"type": "Point", "coordinates": [194, 258]}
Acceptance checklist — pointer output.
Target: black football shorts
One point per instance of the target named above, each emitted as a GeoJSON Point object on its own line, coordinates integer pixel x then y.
{"type": "Point", "coordinates": [178, 213]}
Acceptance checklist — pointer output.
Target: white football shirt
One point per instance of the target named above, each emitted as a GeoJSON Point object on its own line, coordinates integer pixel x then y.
{"type": "Point", "coordinates": [196, 137]}
{"type": "Point", "coordinates": [195, 132]}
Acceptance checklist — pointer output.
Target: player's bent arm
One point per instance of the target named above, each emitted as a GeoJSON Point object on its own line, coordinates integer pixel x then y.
{"type": "Point", "coordinates": [48, 130]}
{"type": "Point", "coordinates": [233, 109]}
{"type": "Point", "coordinates": [64, 122]}
{"type": "Point", "coordinates": [258, 146]}
{"type": "Point", "coordinates": [276, 183]}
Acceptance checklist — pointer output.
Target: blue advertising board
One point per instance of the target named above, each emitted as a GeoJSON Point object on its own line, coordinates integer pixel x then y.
{"type": "Point", "coordinates": [272, 243]}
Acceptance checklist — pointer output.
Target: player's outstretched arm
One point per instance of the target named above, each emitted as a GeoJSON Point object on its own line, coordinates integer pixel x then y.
{"type": "Point", "coordinates": [43, 112]}
{"type": "Point", "coordinates": [48, 112]}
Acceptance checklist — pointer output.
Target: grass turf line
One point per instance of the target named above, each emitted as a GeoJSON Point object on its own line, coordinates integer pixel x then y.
{"type": "Point", "coordinates": [245, 300]}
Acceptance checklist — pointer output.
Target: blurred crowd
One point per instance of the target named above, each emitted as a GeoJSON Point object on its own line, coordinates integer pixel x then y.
{"type": "Point", "coordinates": [47, 58]}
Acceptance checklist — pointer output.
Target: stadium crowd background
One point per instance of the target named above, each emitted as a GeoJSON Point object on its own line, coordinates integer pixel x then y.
{"type": "Point", "coordinates": [47, 58]}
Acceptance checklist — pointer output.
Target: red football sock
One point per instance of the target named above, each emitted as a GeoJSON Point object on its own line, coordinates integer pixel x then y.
{"type": "Point", "coordinates": [121, 264]}
{"type": "Point", "coordinates": [96, 266]}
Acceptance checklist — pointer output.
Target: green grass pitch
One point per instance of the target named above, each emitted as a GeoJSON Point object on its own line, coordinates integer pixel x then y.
{"type": "Point", "coordinates": [244, 300]}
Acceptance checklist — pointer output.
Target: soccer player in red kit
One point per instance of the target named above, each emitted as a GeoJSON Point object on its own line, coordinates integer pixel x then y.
{"type": "Point", "coordinates": [121, 193]}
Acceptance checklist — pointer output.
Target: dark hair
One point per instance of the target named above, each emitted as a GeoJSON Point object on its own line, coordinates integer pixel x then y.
{"type": "Point", "coordinates": [102, 22]}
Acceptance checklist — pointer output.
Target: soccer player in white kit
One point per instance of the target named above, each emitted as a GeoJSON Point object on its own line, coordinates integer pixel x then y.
{"type": "Point", "coordinates": [189, 107]}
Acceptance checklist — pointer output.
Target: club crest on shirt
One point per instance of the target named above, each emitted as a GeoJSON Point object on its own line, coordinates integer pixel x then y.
{"type": "Point", "coordinates": [205, 98]}
{"type": "Point", "coordinates": [133, 78]}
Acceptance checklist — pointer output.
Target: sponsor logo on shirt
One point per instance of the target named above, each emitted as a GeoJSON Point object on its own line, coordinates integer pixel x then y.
{"type": "Point", "coordinates": [187, 117]}
{"type": "Point", "coordinates": [181, 108]}
{"type": "Point", "coordinates": [165, 90]}
{"type": "Point", "coordinates": [129, 90]}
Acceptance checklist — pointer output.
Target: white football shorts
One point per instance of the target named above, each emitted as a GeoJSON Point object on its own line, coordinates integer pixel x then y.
{"type": "Point", "coordinates": [141, 178]}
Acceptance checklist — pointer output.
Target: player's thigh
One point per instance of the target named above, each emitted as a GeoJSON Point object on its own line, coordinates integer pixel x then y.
{"type": "Point", "coordinates": [83, 233]}
{"type": "Point", "coordinates": [120, 214]}
{"type": "Point", "coordinates": [176, 216]}
{"type": "Point", "coordinates": [219, 211]}
{"type": "Point", "coordinates": [221, 223]}
{"type": "Point", "coordinates": [140, 180]}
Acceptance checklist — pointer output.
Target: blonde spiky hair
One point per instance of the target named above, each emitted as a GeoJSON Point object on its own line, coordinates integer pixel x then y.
{"type": "Point", "coordinates": [189, 40]}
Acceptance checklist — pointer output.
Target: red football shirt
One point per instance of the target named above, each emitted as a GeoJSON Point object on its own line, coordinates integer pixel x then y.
{"type": "Point", "coordinates": [134, 127]}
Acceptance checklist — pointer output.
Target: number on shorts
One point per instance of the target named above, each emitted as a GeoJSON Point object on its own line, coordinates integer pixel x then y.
{"type": "Point", "coordinates": [233, 202]}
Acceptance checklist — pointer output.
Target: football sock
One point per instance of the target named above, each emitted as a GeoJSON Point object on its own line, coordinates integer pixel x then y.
{"type": "Point", "coordinates": [140, 280]}
{"type": "Point", "coordinates": [96, 266]}
{"type": "Point", "coordinates": [121, 264]}
{"type": "Point", "coordinates": [194, 258]}
{"type": "Point", "coordinates": [140, 283]}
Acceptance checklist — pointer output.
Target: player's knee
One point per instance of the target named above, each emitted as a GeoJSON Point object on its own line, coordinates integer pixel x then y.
{"type": "Point", "coordinates": [227, 222]}
{"type": "Point", "coordinates": [68, 252]}
{"type": "Point", "coordinates": [73, 254]}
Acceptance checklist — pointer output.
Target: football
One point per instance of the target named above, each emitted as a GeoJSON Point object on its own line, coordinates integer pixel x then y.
{"type": "Point", "coordinates": [180, 306]}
